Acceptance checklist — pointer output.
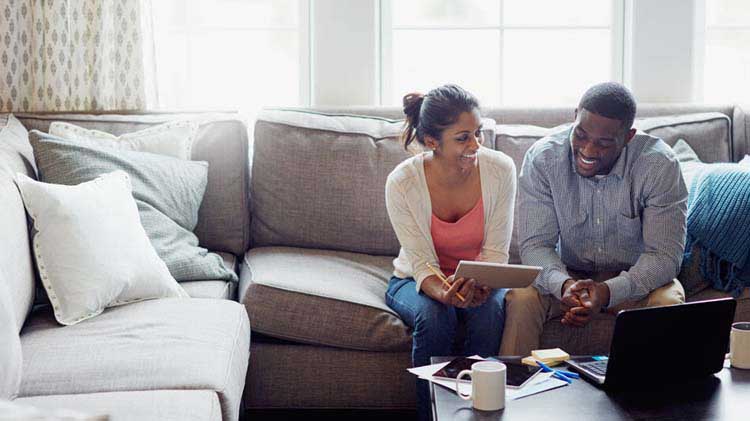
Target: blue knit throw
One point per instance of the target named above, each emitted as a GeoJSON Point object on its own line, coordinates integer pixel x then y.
{"type": "Point", "coordinates": [718, 222]}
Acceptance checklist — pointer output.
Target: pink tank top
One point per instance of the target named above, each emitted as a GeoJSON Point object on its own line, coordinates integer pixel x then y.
{"type": "Point", "coordinates": [460, 240]}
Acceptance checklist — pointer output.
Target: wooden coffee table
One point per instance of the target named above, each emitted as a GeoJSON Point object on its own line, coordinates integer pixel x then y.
{"type": "Point", "coordinates": [723, 396]}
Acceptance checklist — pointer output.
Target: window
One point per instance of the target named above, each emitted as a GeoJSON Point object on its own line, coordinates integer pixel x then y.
{"type": "Point", "coordinates": [231, 54]}
{"type": "Point", "coordinates": [513, 52]}
{"type": "Point", "coordinates": [726, 51]}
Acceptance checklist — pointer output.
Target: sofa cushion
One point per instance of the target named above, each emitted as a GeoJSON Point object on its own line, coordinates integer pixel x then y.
{"type": "Point", "coordinates": [168, 191]}
{"type": "Point", "coordinates": [353, 379]}
{"type": "Point", "coordinates": [318, 180]}
{"type": "Point", "coordinates": [150, 345]}
{"type": "Point", "coordinates": [19, 411]}
{"type": "Point", "coordinates": [152, 405]}
{"type": "Point", "coordinates": [321, 297]}
{"type": "Point", "coordinates": [709, 134]}
{"type": "Point", "coordinates": [221, 140]}
{"type": "Point", "coordinates": [11, 361]}
{"type": "Point", "coordinates": [16, 156]}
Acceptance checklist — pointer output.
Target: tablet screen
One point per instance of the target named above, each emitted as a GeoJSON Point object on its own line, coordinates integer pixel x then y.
{"type": "Point", "coordinates": [516, 373]}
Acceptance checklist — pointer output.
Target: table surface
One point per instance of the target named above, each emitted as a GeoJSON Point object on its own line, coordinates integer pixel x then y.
{"type": "Point", "coordinates": [723, 396]}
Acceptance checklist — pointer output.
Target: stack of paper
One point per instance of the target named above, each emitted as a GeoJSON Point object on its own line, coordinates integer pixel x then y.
{"type": "Point", "coordinates": [550, 357]}
{"type": "Point", "coordinates": [540, 383]}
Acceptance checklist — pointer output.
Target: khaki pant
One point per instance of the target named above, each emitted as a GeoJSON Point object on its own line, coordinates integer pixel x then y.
{"type": "Point", "coordinates": [526, 311]}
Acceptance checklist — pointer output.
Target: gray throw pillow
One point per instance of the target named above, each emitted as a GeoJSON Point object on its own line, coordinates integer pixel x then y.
{"type": "Point", "coordinates": [168, 192]}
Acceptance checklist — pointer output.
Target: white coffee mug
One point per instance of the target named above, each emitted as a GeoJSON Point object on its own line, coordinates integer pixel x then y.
{"type": "Point", "coordinates": [487, 385]}
{"type": "Point", "coordinates": [739, 345]}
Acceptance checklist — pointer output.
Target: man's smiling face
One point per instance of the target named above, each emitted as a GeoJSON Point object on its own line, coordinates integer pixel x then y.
{"type": "Point", "coordinates": [597, 142]}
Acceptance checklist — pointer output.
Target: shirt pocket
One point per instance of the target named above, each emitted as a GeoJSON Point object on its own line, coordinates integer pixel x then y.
{"type": "Point", "coordinates": [629, 234]}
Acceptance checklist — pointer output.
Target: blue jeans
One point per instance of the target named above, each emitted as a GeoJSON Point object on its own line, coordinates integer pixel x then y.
{"type": "Point", "coordinates": [434, 326]}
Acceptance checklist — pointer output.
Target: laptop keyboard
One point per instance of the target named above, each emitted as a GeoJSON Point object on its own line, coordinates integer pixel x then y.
{"type": "Point", "coordinates": [598, 367]}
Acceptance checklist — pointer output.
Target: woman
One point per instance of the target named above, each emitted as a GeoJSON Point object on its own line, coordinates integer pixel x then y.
{"type": "Point", "coordinates": [453, 202]}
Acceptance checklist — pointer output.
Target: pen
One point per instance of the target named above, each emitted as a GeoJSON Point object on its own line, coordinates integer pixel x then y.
{"type": "Point", "coordinates": [560, 374]}
{"type": "Point", "coordinates": [562, 377]}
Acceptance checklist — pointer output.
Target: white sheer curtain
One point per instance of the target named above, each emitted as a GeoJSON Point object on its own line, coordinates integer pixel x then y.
{"type": "Point", "coordinates": [69, 55]}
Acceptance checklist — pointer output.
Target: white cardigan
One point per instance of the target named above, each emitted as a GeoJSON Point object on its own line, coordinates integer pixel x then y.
{"type": "Point", "coordinates": [410, 210]}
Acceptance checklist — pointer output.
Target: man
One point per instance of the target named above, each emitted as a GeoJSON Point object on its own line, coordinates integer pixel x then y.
{"type": "Point", "coordinates": [602, 210]}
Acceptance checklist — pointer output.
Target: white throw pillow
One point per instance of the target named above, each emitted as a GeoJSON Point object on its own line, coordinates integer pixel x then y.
{"type": "Point", "coordinates": [10, 345]}
{"type": "Point", "coordinates": [90, 247]}
{"type": "Point", "coordinates": [173, 139]}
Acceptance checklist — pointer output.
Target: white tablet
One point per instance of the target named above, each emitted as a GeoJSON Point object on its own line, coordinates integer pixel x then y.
{"type": "Point", "coordinates": [498, 275]}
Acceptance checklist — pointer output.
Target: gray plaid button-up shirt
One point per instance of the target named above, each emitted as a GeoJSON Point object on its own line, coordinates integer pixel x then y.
{"type": "Point", "coordinates": [630, 221]}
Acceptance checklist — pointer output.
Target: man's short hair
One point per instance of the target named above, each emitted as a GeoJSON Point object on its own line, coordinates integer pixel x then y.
{"type": "Point", "coordinates": [611, 100]}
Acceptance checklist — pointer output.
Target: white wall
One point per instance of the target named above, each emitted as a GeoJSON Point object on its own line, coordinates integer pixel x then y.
{"type": "Point", "coordinates": [345, 36]}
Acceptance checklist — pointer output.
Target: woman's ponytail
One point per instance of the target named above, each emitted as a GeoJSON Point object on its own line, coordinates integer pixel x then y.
{"type": "Point", "coordinates": [412, 107]}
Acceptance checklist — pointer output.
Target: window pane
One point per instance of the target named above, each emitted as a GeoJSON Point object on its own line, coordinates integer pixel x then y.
{"type": "Point", "coordinates": [727, 66]}
{"type": "Point", "coordinates": [171, 77]}
{"type": "Point", "coordinates": [424, 59]}
{"type": "Point", "coordinates": [728, 12]}
{"type": "Point", "coordinates": [445, 13]}
{"type": "Point", "coordinates": [169, 14]}
{"type": "Point", "coordinates": [556, 12]}
{"type": "Point", "coordinates": [252, 69]}
{"type": "Point", "coordinates": [245, 13]}
{"type": "Point", "coordinates": [540, 67]}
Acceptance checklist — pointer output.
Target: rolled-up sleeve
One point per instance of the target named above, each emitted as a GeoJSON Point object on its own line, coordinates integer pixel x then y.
{"type": "Point", "coordinates": [539, 230]}
{"type": "Point", "coordinates": [664, 229]}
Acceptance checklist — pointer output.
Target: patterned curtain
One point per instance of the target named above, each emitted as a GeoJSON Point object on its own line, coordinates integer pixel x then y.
{"type": "Point", "coordinates": [71, 55]}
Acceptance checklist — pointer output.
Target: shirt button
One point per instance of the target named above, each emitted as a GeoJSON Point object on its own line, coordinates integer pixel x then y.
{"type": "Point", "coordinates": [598, 221]}
{"type": "Point", "coordinates": [600, 249]}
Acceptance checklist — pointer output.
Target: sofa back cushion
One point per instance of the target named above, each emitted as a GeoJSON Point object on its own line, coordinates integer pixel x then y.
{"type": "Point", "coordinates": [318, 181]}
{"type": "Point", "coordinates": [221, 140]}
{"type": "Point", "coordinates": [15, 252]}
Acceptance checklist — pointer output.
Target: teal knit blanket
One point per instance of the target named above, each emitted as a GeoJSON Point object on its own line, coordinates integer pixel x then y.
{"type": "Point", "coordinates": [718, 222]}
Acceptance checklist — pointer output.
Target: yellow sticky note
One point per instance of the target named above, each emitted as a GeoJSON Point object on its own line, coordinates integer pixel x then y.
{"type": "Point", "coordinates": [532, 361]}
{"type": "Point", "coordinates": [553, 354]}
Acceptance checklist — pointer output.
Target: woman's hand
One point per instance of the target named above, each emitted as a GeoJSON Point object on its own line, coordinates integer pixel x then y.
{"type": "Point", "coordinates": [465, 287]}
{"type": "Point", "coordinates": [481, 293]}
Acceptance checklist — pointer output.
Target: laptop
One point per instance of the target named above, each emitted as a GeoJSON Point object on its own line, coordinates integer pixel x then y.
{"type": "Point", "coordinates": [663, 344]}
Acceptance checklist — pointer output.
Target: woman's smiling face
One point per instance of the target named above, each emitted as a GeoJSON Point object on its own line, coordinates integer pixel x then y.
{"type": "Point", "coordinates": [461, 140]}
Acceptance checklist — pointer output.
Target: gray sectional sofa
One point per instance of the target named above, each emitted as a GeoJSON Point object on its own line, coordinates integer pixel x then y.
{"type": "Point", "coordinates": [171, 359]}
{"type": "Point", "coordinates": [297, 209]}
{"type": "Point", "coordinates": [321, 250]}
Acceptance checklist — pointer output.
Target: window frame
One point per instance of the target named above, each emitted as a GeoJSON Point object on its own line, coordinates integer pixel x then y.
{"type": "Point", "coordinates": [385, 82]}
